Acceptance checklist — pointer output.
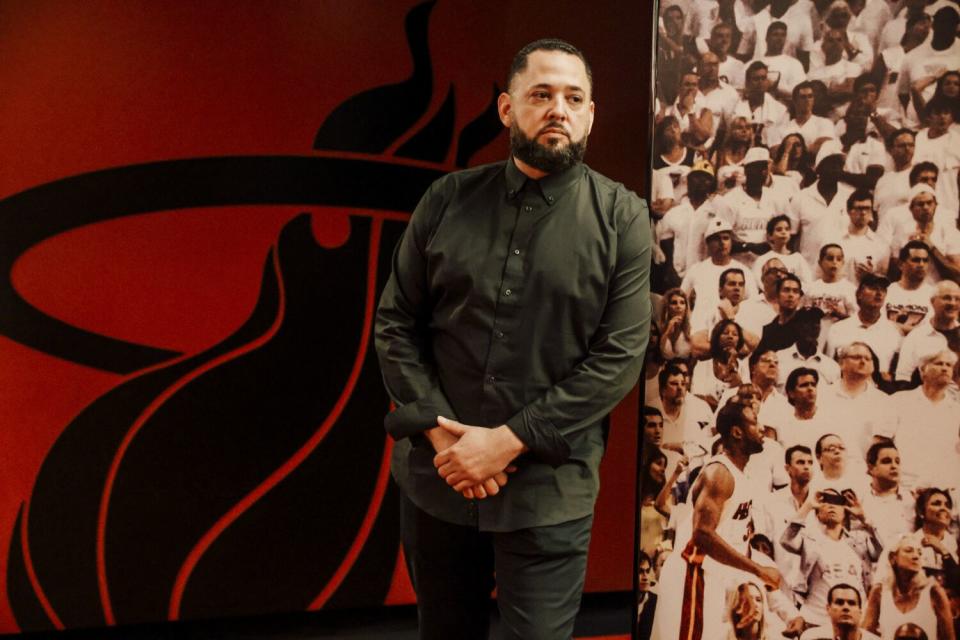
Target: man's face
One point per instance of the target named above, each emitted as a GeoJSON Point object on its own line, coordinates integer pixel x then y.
{"type": "Point", "coordinates": [856, 120]}
{"type": "Point", "coordinates": [752, 433]}
{"type": "Point", "coordinates": [653, 430]}
{"type": "Point", "coordinates": [832, 452]}
{"type": "Point", "coordinates": [766, 370]}
{"type": "Point", "coordinates": [773, 270]}
{"type": "Point", "coordinates": [805, 395]}
{"type": "Point", "coordinates": [732, 288]}
{"type": "Point", "coordinates": [789, 296]}
{"type": "Point", "coordinates": [776, 38]}
{"type": "Point", "coordinates": [946, 303]}
{"type": "Point", "coordinates": [800, 468]}
{"type": "Point", "coordinates": [861, 213]}
{"type": "Point", "coordinates": [645, 577]}
{"type": "Point", "coordinates": [757, 172]}
{"type": "Point", "coordinates": [549, 111]}
{"type": "Point", "coordinates": [803, 105]}
{"type": "Point", "coordinates": [871, 296]}
{"type": "Point", "coordinates": [689, 83]}
{"type": "Point", "coordinates": [941, 119]}
{"type": "Point", "coordinates": [887, 468]}
{"type": "Point", "coordinates": [832, 261]}
{"type": "Point", "coordinates": [699, 183]}
{"type": "Point", "coordinates": [719, 245]}
{"type": "Point", "coordinates": [720, 40]}
{"type": "Point", "coordinates": [830, 167]}
{"type": "Point", "coordinates": [915, 266]}
{"type": "Point", "coordinates": [833, 44]}
{"type": "Point", "coordinates": [756, 82]}
{"type": "Point", "coordinates": [856, 361]}
{"type": "Point", "coordinates": [939, 371]}
{"type": "Point", "coordinates": [674, 389]}
{"type": "Point", "coordinates": [867, 96]}
{"type": "Point", "coordinates": [844, 607]}
{"type": "Point", "coordinates": [902, 150]}
{"type": "Point", "coordinates": [830, 514]}
{"type": "Point", "coordinates": [928, 177]}
{"type": "Point", "coordinates": [922, 207]}
{"type": "Point", "coordinates": [709, 67]}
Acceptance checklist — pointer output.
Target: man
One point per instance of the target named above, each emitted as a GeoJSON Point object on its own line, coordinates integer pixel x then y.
{"type": "Point", "coordinates": [892, 187]}
{"type": "Point", "coordinates": [830, 66]}
{"type": "Point", "coordinates": [788, 69]}
{"type": "Point", "coordinates": [879, 121]}
{"type": "Point", "coordinates": [685, 416]}
{"type": "Point", "coordinates": [864, 407]}
{"type": "Point", "coordinates": [695, 118]}
{"type": "Point", "coordinates": [718, 95]}
{"type": "Point", "coordinates": [652, 421]}
{"type": "Point", "coordinates": [748, 208]}
{"type": "Point", "coordinates": [715, 556]}
{"type": "Point", "coordinates": [866, 154]}
{"type": "Point", "coordinates": [835, 470]}
{"type": "Point", "coordinates": [700, 283]}
{"type": "Point", "coordinates": [815, 129]}
{"type": "Point", "coordinates": [908, 299]}
{"type": "Point", "coordinates": [887, 503]}
{"type": "Point", "coordinates": [809, 421]}
{"type": "Point", "coordinates": [678, 229]}
{"type": "Point", "coordinates": [920, 173]}
{"type": "Point", "coordinates": [731, 69]}
{"type": "Point", "coordinates": [869, 325]}
{"type": "Point", "coordinates": [765, 114]}
{"type": "Point", "coordinates": [844, 604]}
{"type": "Point", "coordinates": [732, 284]}
{"type": "Point", "coordinates": [823, 202]}
{"type": "Point", "coordinates": [805, 352]}
{"type": "Point", "coordinates": [925, 429]}
{"type": "Point", "coordinates": [646, 598]}
{"type": "Point", "coordinates": [797, 43]}
{"type": "Point", "coordinates": [781, 332]}
{"type": "Point", "coordinates": [942, 238]}
{"type": "Point", "coordinates": [926, 63]}
{"type": "Point", "coordinates": [758, 311]}
{"type": "Point", "coordinates": [864, 251]}
{"type": "Point", "coordinates": [939, 331]}
{"type": "Point", "coordinates": [487, 320]}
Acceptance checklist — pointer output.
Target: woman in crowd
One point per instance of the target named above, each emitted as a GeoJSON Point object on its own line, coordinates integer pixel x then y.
{"type": "Point", "coordinates": [674, 325]}
{"type": "Point", "coordinates": [747, 613]}
{"type": "Point", "coordinates": [904, 594]}
{"type": "Point", "coordinates": [934, 509]}
{"type": "Point", "coordinates": [653, 478]}
{"type": "Point", "coordinates": [725, 369]}
{"type": "Point", "coordinates": [728, 155]}
{"type": "Point", "coordinates": [790, 159]}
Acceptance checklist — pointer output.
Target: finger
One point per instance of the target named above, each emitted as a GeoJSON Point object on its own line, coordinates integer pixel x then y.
{"type": "Point", "coordinates": [479, 492]}
{"type": "Point", "coordinates": [500, 479]}
{"type": "Point", "coordinates": [491, 487]}
{"type": "Point", "coordinates": [467, 493]}
{"type": "Point", "coordinates": [445, 470]}
{"type": "Point", "coordinates": [451, 426]}
{"type": "Point", "coordinates": [456, 478]}
{"type": "Point", "coordinates": [441, 458]}
{"type": "Point", "coordinates": [463, 484]}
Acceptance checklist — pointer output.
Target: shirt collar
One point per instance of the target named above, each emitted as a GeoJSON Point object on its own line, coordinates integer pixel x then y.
{"type": "Point", "coordinates": [550, 187]}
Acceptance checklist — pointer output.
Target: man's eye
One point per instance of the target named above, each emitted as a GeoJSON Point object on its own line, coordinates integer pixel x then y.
{"type": "Point", "coordinates": [576, 99]}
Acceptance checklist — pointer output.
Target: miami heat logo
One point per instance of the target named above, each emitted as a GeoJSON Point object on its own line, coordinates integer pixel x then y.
{"type": "Point", "coordinates": [251, 475]}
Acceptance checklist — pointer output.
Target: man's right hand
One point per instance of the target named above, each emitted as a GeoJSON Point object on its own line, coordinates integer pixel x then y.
{"type": "Point", "coordinates": [770, 576]}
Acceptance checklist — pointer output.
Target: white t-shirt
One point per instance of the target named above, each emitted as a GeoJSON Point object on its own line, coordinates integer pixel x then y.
{"type": "Point", "coordinates": [704, 279]}
{"type": "Point", "coordinates": [863, 59]}
{"type": "Point", "coordinates": [925, 62]}
{"type": "Point", "coordinates": [926, 434]}
{"type": "Point", "coordinates": [869, 249]}
{"type": "Point", "coordinates": [794, 263]}
{"type": "Point", "coordinates": [864, 414]}
{"type": "Point", "coordinates": [811, 210]}
{"type": "Point", "coordinates": [883, 337]}
{"type": "Point", "coordinates": [864, 154]}
{"type": "Point", "coordinates": [790, 70]}
{"type": "Point", "coordinates": [891, 191]}
{"type": "Point", "coordinates": [749, 217]}
{"type": "Point", "coordinates": [943, 237]}
{"type": "Point", "coordinates": [770, 115]}
{"type": "Point", "coordinates": [791, 359]}
{"type": "Point", "coordinates": [909, 306]}
{"type": "Point", "coordinates": [813, 129]}
{"type": "Point", "coordinates": [922, 341]}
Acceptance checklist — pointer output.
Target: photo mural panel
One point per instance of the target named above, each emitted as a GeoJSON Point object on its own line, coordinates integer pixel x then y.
{"type": "Point", "coordinates": [195, 230]}
{"type": "Point", "coordinates": [801, 421]}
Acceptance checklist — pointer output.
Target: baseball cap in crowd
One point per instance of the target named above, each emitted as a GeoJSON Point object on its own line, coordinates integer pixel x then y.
{"type": "Point", "coordinates": [873, 280]}
{"type": "Point", "coordinates": [827, 149]}
{"type": "Point", "coordinates": [703, 165]}
{"type": "Point", "coordinates": [715, 226]}
{"type": "Point", "coordinates": [756, 154]}
{"type": "Point", "coordinates": [920, 187]}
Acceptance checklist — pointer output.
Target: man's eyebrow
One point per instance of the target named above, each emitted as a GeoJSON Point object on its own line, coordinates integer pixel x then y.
{"type": "Point", "coordinates": [547, 85]}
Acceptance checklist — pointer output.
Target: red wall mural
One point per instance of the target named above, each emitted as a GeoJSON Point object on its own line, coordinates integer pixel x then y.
{"type": "Point", "coordinates": [197, 210]}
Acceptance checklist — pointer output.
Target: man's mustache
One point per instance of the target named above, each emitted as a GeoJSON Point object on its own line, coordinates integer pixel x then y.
{"type": "Point", "coordinates": [553, 125]}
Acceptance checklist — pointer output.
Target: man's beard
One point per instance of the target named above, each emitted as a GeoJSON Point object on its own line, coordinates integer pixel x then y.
{"type": "Point", "coordinates": [549, 159]}
{"type": "Point", "coordinates": [753, 447]}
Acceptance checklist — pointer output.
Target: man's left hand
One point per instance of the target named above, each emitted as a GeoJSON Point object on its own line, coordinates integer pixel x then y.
{"type": "Point", "coordinates": [479, 454]}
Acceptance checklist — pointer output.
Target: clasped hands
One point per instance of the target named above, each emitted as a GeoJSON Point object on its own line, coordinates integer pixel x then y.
{"type": "Point", "coordinates": [474, 461]}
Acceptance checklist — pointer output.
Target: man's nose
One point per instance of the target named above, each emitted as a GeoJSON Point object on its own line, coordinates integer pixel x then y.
{"type": "Point", "coordinates": [558, 108]}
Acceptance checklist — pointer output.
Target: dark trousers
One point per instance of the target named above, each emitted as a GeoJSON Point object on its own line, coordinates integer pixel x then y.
{"type": "Point", "coordinates": [539, 575]}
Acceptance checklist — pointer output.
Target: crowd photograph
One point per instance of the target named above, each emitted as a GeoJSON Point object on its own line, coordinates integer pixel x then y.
{"type": "Point", "coordinates": [800, 420]}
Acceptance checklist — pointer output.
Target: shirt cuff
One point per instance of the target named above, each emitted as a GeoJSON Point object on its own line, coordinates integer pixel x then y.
{"type": "Point", "coordinates": [416, 417]}
{"type": "Point", "coordinates": [544, 442]}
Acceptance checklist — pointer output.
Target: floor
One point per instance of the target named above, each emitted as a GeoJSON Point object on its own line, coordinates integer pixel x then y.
{"type": "Point", "coordinates": [603, 616]}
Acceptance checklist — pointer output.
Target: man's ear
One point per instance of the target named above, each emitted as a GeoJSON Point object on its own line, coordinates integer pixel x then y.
{"type": "Point", "coordinates": [505, 109]}
{"type": "Point", "coordinates": [590, 117]}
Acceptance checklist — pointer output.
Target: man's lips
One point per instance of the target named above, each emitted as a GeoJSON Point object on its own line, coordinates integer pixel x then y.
{"type": "Point", "coordinates": [554, 130]}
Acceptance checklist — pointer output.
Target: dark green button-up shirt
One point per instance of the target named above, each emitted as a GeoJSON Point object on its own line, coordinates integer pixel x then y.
{"type": "Point", "coordinates": [519, 302]}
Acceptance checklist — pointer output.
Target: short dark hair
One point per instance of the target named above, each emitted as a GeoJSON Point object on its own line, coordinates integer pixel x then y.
{"type": "Point", "coordinates": [919, 168]}
{"type": "Point", "coordinates": [546, 44]}
{"type": "Point", "coordinates": [843, 585]}
{"type": "Point", "coordinates": [789, 276]}
{"type": "Point", "coordinates": [642, 556]}
{"type": "Point", "coordinates": [730, 416]}
{"type": "Point", "coordinates": [651, 411]}
{"type": "Point", "coordinates": [829, 245]}
{"type": "Point", "coordinates": [873, 453]}
{"type": "Point", "coordinates": [910, 246]}
{"type": "Point", "coordinates": [672, 368]}
{"type": "Point", "coordinates": [797, 448]}
{"type": "Point", "coordinates": [859, 195]}
{"type": "Point", "coordinates": [865, 78]}
{"type": "Point", "coordinates": [775, 220]}
{"type": "Point", "coordinates": [754, 66]}
{"type": "Point", "coordinates": [793, 377]}
{"type": "Point", "coordinates": [818, 448]}
{"type": "Point", "coordinates": [777, 24]}
{"type": "Point", "coordinates": [806, 84]}
{"type": "Point", "coordinates": [727, 272]}
{"type": "Point", "coordinates": [899, 132]}
{"type": "Point", "coordinates": [758, 353]}
{"type": "Point", "coordinates": [939, 104]}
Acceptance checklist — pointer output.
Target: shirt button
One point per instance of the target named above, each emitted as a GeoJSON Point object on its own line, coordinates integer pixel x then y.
{"type": "Point", "coordinates": [499, 334]}
{"type": "Point", "coordinates": [528, 208]}
{"type": "Point", "coordinates": [550, 199]}
{"type": "Point", "coordinates": [491, 379]}
{"type": "Point", "coordinates": [516, 252]}
{"type": "Point", "coordinates": [508, 292]}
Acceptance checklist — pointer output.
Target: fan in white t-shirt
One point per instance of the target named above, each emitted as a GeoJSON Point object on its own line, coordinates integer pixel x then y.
{"type": "Point", "coordinates": [908, 299]}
